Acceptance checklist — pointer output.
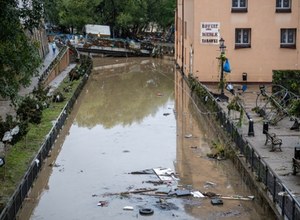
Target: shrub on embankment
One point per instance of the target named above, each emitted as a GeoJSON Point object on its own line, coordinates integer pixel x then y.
{"type": "Point", "coordinates": [19, 155]}
{"type": "Point", "coordinates": [289, 79]}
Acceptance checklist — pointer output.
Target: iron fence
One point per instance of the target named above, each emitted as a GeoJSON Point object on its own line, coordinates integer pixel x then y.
{"type": "Point", "coordinates": [15, 202]}
{"type": "Point", "coordinates": [283, 199]}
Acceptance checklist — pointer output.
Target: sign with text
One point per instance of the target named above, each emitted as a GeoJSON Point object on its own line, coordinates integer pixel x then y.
{"type": "Point", "coordinates": [210, 32]}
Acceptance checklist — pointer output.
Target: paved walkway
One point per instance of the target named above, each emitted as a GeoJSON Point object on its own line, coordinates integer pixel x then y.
{"type": "Point", "coordinates": [280, 162]}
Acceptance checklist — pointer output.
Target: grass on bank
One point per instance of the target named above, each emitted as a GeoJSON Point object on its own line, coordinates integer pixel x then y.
{"type": "Point", "coordinates": [19, 156]}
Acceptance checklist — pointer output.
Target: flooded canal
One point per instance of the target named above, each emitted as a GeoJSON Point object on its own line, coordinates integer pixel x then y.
{"type": "Point", "coordinates": [127, 120]}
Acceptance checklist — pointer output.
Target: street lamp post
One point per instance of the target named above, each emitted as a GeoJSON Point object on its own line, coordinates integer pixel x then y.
{"type": "Point", "coordinates": [222, 50]}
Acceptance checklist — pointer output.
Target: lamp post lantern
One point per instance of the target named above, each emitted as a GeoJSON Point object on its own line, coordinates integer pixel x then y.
{"type": "Point", "coordinates": [222, 50]}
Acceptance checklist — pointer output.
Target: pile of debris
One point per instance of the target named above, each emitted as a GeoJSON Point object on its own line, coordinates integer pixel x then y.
{"type": "Point", "coordinates": [166, 187]}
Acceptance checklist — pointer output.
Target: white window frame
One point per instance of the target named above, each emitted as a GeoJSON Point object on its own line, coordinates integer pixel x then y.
{"type": "Point", "coordinates": [283, 9]}
{"type": "Point", "coordinates": [242, 44]}
{"type": "Point", "coordinates": [239, 4]}
{"type": "Point", "coordinates": [284, 37]}
{"type": "Point", "coordinates": [239, 8]}
{"type": "Point", "coordinates": [281, 6]}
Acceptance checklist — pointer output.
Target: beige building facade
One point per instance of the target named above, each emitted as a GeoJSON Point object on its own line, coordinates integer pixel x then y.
{"type": "Point", "coordinates": [260, 36]}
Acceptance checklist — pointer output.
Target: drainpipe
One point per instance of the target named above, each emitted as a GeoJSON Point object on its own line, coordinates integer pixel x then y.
{"type": "Point", "coordinates": [176, 34]}
{"type": "Point", "coordinates": [182, 34]}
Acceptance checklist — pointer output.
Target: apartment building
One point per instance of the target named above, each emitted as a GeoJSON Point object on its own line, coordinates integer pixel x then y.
{"type": "Point", "coordinates": [260, 36]}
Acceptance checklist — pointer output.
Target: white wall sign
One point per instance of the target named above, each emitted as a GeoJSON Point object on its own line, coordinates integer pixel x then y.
{"type": "Point", "coordinates": [210, 32]}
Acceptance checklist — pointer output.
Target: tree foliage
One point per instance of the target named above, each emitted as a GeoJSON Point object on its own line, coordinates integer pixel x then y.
{"type": "Point", "coordinates": [75, 14]}
{"type": "Point", "coordinates": [19, 58]}
{"type": "Point", "coordinates": [124, 17]}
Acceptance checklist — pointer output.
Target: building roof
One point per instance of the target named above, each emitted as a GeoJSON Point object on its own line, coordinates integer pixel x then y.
{"type": "Point", "coordinates": [97, 29]}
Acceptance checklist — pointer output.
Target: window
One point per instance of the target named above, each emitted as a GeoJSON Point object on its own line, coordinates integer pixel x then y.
{"type": "Point", "coordinates": [239, 6]}
{"type": "Point", "coordinates": [283, 5]}
{"type": "Point", "coordinates": [242, 38]}
{"type": "Point", "coordinates": [288, 38]}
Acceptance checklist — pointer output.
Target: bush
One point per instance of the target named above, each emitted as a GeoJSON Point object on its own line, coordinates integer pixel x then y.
{"type": "Point", "coordinates": [295, 108]}
{"type": "Point", "coordinates": [9, 124]}
{"type": "Point", "coordinates": [30, 110]}
{"type": "Point", "coordinates": [58, 97]}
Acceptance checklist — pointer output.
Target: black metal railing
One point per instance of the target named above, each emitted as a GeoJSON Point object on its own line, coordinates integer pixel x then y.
{"type": "Point", "coordinates": [282, 198]}
{"type": "Point", "coordinates": [15, 202]}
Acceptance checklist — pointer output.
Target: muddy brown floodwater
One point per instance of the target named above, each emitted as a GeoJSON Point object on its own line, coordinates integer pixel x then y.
{"type": "Point", "coordinates": [126, 120]}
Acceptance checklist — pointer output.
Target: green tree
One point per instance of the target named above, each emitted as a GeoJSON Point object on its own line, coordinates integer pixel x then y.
{"type": "Point", "coordinates": [125, 18]}
{"type": "Point", "coordinates": [165, 13]}
{"type": "Point", "coordinates": [19, 58]}
{"type": "Point", "coordinates": [76, 13]}
{"type": "Point", "coordinates": [134, 17]}
{"type": "Point", "coordinates": [51, 11]}
{"type": "Point", "coordinates": [129, 17]}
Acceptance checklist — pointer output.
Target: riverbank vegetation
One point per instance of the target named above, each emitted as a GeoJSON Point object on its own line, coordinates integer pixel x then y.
{"type": "Point", "coordinates": [19, 153]}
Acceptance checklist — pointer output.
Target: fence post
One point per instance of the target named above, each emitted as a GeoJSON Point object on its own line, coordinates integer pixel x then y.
{"type": "Point", "coordinates": [259, 162]}
{"type": "Point", "coordinates": [274, 189]}
{"type": "Point", "coordinates": [293, 214]}
{"type": "Point", "coordinates": [252, 159]}
{"type": "Point", "coordinates": [267, 171]}
{"type": "Point", "coordinates": [283, 200]}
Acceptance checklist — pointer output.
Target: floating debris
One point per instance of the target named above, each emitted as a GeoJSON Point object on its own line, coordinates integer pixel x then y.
{"type": "Point", "coordinates": [210, 194]}
{"type": "Point", "coordinates": [128, 208]}
{"type": "Point", "coordinates": [155, 182]}
{"type": "Point", "coordinates": [147, 171]}
{"type": "Point", "coordinates": [102, 203]}
{"type": "Point", "coordinates": [197, 194]}
{"type": "Point", "coordinates": [188, 136]}
{"type": "Point", "coordinates": [216, 201]}
{"type": "Point", "coordinates": [165, 174]}
{"type": "Point", "coordinates": [166, 206]}
{"type": "Point", "coordinates": [146, 211]}
{"type": "Point", "coordinates": [237, 197]}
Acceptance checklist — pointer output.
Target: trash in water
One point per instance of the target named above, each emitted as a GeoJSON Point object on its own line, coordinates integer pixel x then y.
{"type": "Point", "coordinates": [216, 202]}
{"type": "Point", "coordinates": [188, 136]}
{"type": "Point", "coordinates": [102, 203]}
{"type": "Point", "coordinates": [154, 182]}
{"type": "Point", "coordinates": [165, 174]}
{"type": "Point", "coordinates": [181, 192]}
{"type": "Point", "coordinates": [147, 171]}
{"type": "Point", "coordinates": [210, 194]}
{"type": "Point", "coordinates": [166, 206]}
{"type": "Point", "coordinates": [209, 184]}
{"type": "Point", "coordinates": [128, 208]}
{"type": "Point", "coordinates": [146, 211]}
{"type": "Point", "coordinates": [197, 194]}
{"type": "Point", "coordinates": [237, 197]}
{"type": "Point", "coordinates": [165, 190]}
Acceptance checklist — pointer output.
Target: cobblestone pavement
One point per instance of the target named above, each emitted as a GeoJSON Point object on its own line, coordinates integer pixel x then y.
{"type": "Point", "coordinates": [280, 162]}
